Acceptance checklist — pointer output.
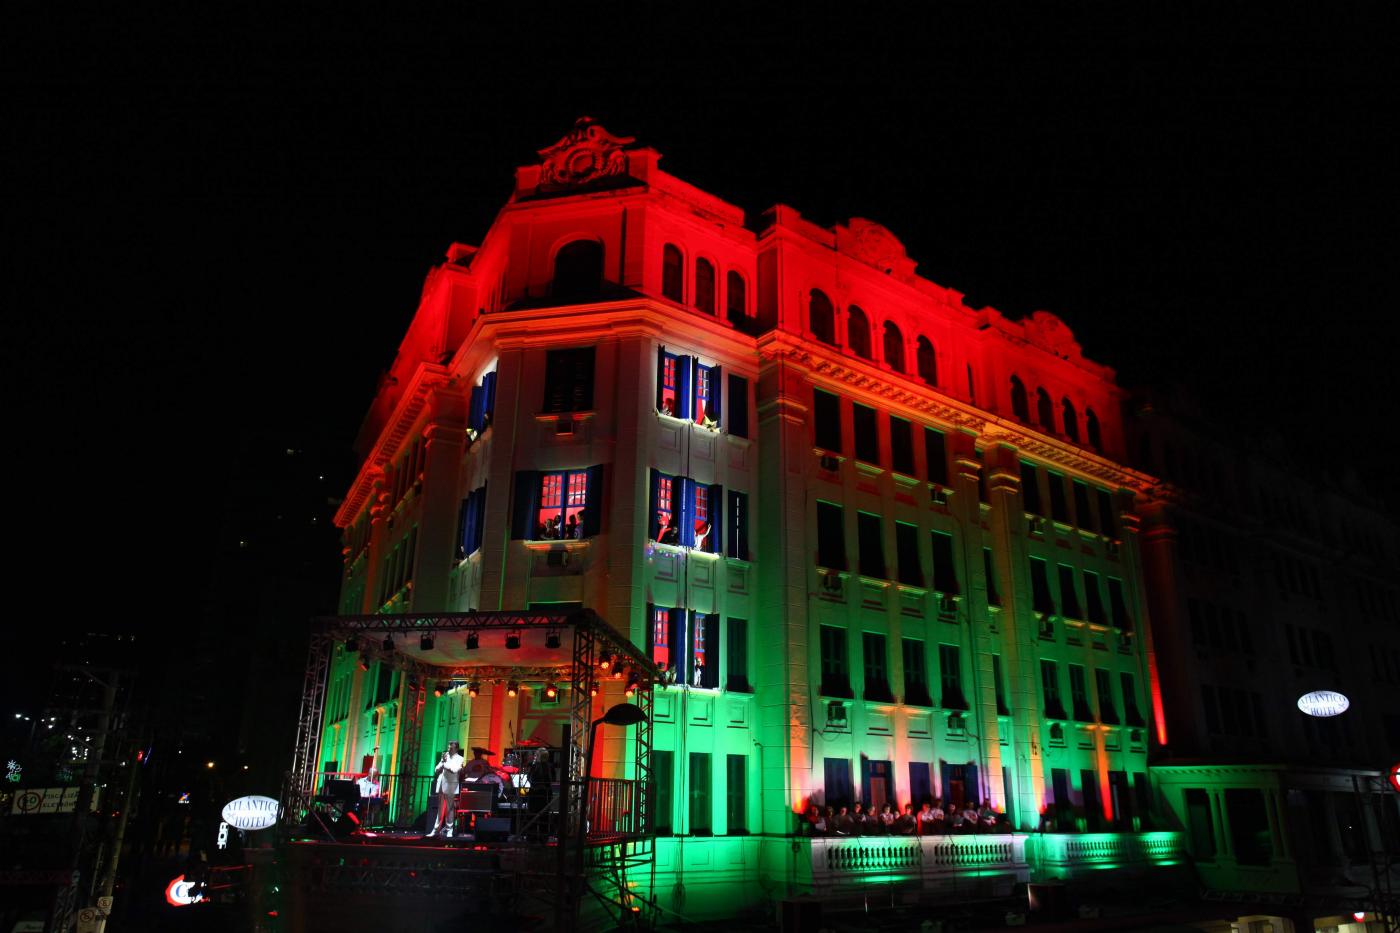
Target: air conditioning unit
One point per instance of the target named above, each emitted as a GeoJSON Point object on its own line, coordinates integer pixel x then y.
{"type": "Point", "coordinates": [947, 607]}
{"type": "Point", "coordinates": [1047, 626]}
{"type": "Point", "coordinates": [829, 463]}
{"type": "Point", "coordinates": [938, 495]}
{"type": "Point", "coordinates": [564, 426]}
{"type": "Point", "coordinates": [1037, 525]}
{"type": "Point", "coordinates": [1110, 547]}
{"type": "Point", "coordinates": [836, 713]}
{"type": "Point", "coordinates": [831, 583]}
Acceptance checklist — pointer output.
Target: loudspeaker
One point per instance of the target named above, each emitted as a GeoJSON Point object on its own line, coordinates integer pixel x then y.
{"type": "Point", "coordinates": [493, 828]}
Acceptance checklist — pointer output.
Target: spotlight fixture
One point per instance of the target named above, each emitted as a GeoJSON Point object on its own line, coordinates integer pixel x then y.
{"type": "Point", "coordinates": [473, 641]}
{"type": "Point", "coordinates": [513, 641]}
{"type": "Point", "coordinates": [388, 642]}
{"type": "Point", "coordinates": [606, 662]}
{"type": "Point", "coordinates": [352, 644]}
{"type": "Point", "coordinates": [437, 691]}
{"type": "Point", "coordinates": [632, 685]}
{"type": "Point", "coordinates": [512, 689]}
{"type": "Point", "coordinates": [593, 690]}
{"type": "Point", "coordinates": [473, 689]}
{"type": "Point", "coordinates": [618, 672]}
{"type": "Point", "coordinates": [550, 691]}
{"type": "Point", "coordinates": [551, 639]}
{"type": "Point", "coordinates": [425, 642]}
{"type": "Point", "coordinates": [364, 663]}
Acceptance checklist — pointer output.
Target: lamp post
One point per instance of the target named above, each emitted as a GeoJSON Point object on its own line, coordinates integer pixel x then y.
{"type": "Point", "coordinates": [623, 714]}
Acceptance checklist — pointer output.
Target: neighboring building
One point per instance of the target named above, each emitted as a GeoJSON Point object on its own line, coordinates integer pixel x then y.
{"type": "Point", "coordinates": [1265, 583]}
{"type": "Point", "coordinates": [885, 543]}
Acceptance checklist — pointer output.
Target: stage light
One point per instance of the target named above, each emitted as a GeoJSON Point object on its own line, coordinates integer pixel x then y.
{"type": "Point", "coordinates": [473, 689]}
{"type": "Point", "coordinates": [364, 663]}
{"type": "Point", "coordinates": [512, 689]}
{"type": "Point", "coordinates": [513, 641]}
{"type": "Point", "coordinates": [632, 685]}
{"type": "Point", "coordinates": [1358, 915]}
{"type": "Point", "coordinates": [552, 640]}
{"type": "Point", "coordinates": [550, 691]}
{"type": "Point", "coordinates": [593, 690]}
{"type": "Point", "coordinates": [425, 642]}
{"type": "Point", "coordinates": [437, 691]}
{"type": "Point", "coordinates": [352, 644]}
{"type": "Point", "coordinates": [618, 672]}
{"type": "Point", "coordinates": [605, 662]}
{"type": "Point", "coordinates": [473, 641]}
{"type": "Point", "coordinates": [388, 642]}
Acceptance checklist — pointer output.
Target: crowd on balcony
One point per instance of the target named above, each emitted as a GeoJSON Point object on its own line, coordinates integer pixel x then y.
{"type": "Point", "coordinates": [932, 819]}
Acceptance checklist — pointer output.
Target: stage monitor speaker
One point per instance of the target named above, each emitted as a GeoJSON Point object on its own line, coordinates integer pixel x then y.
{"type": "Point", "coordinates": [493, 828]}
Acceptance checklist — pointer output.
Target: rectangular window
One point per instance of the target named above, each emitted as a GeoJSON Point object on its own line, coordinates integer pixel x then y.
{"type": "Point", "coordinates": [483, 403]}
{"type": "Point", "coordinates": [705, 505]}
{"type": "Point", "coordinates": [867, 433]}
{"type": "Point", "coordinates": [831, 537]}
{"type": "Point", "coordinates": [826, 420]}
{"type": "Point", "coordinates": [901, 446]}
{"type": "Point", "coordinates": [471, 523]}
{"type": "Point", "coordinates": [701, 812]}
{"type": "Point", "coordinates": [737, 546]}
{"type": "Point", "coordinates": [1050, 690]}
{"type": "Point", "coordinates": [663, 777]}
{"type": "Point", "coordinates": [557, 506]}
{"type": "Point", "coordinates": [736, 808]}
{"type": "Point", "coordinates": [1059, 508]}
{"type": "Point", "coordinates": [673, 384]}
{"type": "Point", "coordinates": [837, 784]}
{"type": "Point", "coordinates": [1030, 489]}
{"type": "Point", "coordinates": [936, 455]}
{"type": "Point", "coordinates": [989, 569]}
{"type": "Point", "coordinates": [950, 676]}
{"type": "Point", "coordinates": [1094, 597]}
{"type": "Point", "coordinates": [1079, 693]}
{"type": "Point", "coordinates": [1083, 516]}
{"type": "Point", "coordinates": [1108, 710]}
{"type": "Point", "coordinates": [568, 380]}
{"type": "Point", "coordinates": [1107, 525]}
{"type": "Point", "coordinates": [915, 674]}
{"type": "Point", "coordinates": [738, 406]}
{"type": "Point", "coordinates": [1131, 715]}
{"type": "Point", "coordinates": [662, 623]}
{"type": "Point", "coordinates": [920, 789]}
{"type": "Point", "coordinates": [835, 681]}
{"type": "Point", "coordinates": [737, 645]}
{"type": "Point", "coordinates": [1200, 824]}
{"type": "Point", "coordinates": [906, 546]}
{"type": "Point", "coordinates": [1069, 594]}
{"type": "Point", "coordinates": [945, 576]}
{"type": "Point", "coordinates": [1040, 586]}
{"type": "Point", "coordinates": [877, 682]}
{"type": "Point", "coordinates": [1119, 605]}
{"type": "Point", "coordinates": [665, 522]}
{"type": "Point", "coordinates": [1093, 805]}
{"type": "Point", "coordinates": [871, 541]}
{"type": "Point", "coordinates": [707, 405]}
{"type": "Point", "coordinates": [1002, 708]}
{"type": "Point", "coordinates": [704, 650]}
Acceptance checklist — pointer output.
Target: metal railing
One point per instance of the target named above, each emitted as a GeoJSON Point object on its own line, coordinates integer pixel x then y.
{"type": "Point", "coordinates": [612, 809]}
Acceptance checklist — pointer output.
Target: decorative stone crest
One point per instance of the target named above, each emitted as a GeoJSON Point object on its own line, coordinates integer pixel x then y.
{"type": "Point", "coordinates": [1052, 335]}
{"type": "Point", "coordinates": [585, 154]}
{"type": "Point", "coordinates": [874, 245]}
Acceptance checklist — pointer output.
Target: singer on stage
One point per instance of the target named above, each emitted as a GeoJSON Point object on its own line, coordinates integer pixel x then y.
{"type": "Point", "coordinates": [449, 769]}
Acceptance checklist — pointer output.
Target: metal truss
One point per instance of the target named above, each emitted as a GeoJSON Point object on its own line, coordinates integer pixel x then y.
{"type": "Point", "coordinates": [405, 804]}
{"type": "Point", "coordinates": [297, 790]}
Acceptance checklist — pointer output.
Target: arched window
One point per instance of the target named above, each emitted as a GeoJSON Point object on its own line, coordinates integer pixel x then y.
{"type": "Point", "coordinates": [1044, 410]}
{"type": "Point", "coordinates": [1091, 425]}
{"type": "Point", "coordinates": [1071, 420]}
{"type": "Point", "coordinates": [578, 269]}
{"type": "Point", "coordinates": [858, 332]}
{"type": "Point", "coordinates": [926, 360]}
{"type": "Point", "coordinates": [736, 300]}
{"type": "Point", "coordinates": [1020, 405]}
{"type": "Point", "coordinates": [894, 347]}
{"type": "Point", "coordinates": [822, 317]}
{"type": "Point", "coordinates": [672, 274]}
{"type": "Point", "coordinates": [705, 286]}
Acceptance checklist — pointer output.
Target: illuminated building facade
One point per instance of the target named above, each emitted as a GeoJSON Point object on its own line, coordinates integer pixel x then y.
{"type": "Point", "coordinates": [884, 543]}
{"type": "Point", "coordinates": [1267, 583]}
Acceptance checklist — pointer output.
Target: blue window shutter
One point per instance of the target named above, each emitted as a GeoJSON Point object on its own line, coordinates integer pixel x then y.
{"type": "Point", "coordinates": [463, 526]}
{"type": "Point", "coordinates": [711, 636]}
{"type": "Point", "coordinates": [660, 378]}
{"type": "Point", "coordinates": [649, 624]}
{"type": "Point", "coordinates": [685, 519]}
{"type": "Point", "coordinates": [593, 502]}
{"type": "Point", "coordinates": [865, 782]}
{"type": "Point", "coordinates": [653, 504]}
{"type": "Point", "coordinates": [488, 392]}
{"type": "Point", "coordinates": [970, 787]}
{"type": "Point", "coordinates": [716, 389]}
{"type": "Point", "coordinates": [478, 407]}
{"type": "Point", "coordinates": [679, 654]}
{"type": "Point", "coordinates": [716, 541]}
{"type": "Point", "coordinates": [683, 399]}
{"type": "Point", "coordinates": [478, 520]}
{"type": "Point", "coordinates": [527, 492]}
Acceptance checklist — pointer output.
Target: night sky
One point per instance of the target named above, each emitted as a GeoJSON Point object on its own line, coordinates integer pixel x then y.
{"type": "Point", "coordinates": [218, 229]}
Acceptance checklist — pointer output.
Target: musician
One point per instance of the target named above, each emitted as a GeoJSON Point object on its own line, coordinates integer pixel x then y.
{"type": "Point", "coordinates": [447, 775]}
{"type": "Point", "coordinates": [482, 771]}
{"type": "Point", "coordinates": [371, 795]}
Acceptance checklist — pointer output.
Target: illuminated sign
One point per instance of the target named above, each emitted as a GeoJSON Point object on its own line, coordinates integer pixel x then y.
{"type": "Point", "coordinates": [1395, 776]}
{"type": "Point", "coordinates": [1323, 703]}
{"type": "Point", "coordinates": [181, 893]}
{"type": "Point", "coordinates": [250, 813]}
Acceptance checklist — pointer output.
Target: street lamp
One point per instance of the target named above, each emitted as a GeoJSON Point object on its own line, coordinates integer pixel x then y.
{"type": "Point", "coordinates": [624, 715]}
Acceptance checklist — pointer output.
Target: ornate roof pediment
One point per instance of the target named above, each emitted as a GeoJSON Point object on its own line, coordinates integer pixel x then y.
{"type": "Point", "coordinates": [585, 154]}
{"type": "Point", "coordinates": [1049, 333]}
{"type": "Point", "coordinates": [874, 245]}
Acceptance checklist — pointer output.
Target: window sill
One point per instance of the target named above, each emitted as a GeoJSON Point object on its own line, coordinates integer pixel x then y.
{"type": "Point", "coordinates": [551, 544]}
{"type": "Point", "coordinates": [869, 469]}
{"type": "Point", "coordinates": [679, 550]}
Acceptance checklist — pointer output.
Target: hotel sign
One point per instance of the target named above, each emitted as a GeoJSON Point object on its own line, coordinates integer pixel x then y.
{"type": "Point", "coordinates": [250, 813]}
{"type": "Point", "coordinates": [1323, 703]}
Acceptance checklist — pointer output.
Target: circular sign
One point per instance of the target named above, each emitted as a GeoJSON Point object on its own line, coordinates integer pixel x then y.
{"type": "Point", "coordinates": [250, 813]}
{"type": "Point", "coordinates": [29, 802]}
{"type": "Point", "coordinates": [179, 893]}
{"type": "Point", "coordinates": [1323, 703]}
{"type": "Point", "coordinates": [1395, 776]}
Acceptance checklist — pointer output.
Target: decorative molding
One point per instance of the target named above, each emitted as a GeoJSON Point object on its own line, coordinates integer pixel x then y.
{"type": "Point", "coordinates": [586, 154]}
